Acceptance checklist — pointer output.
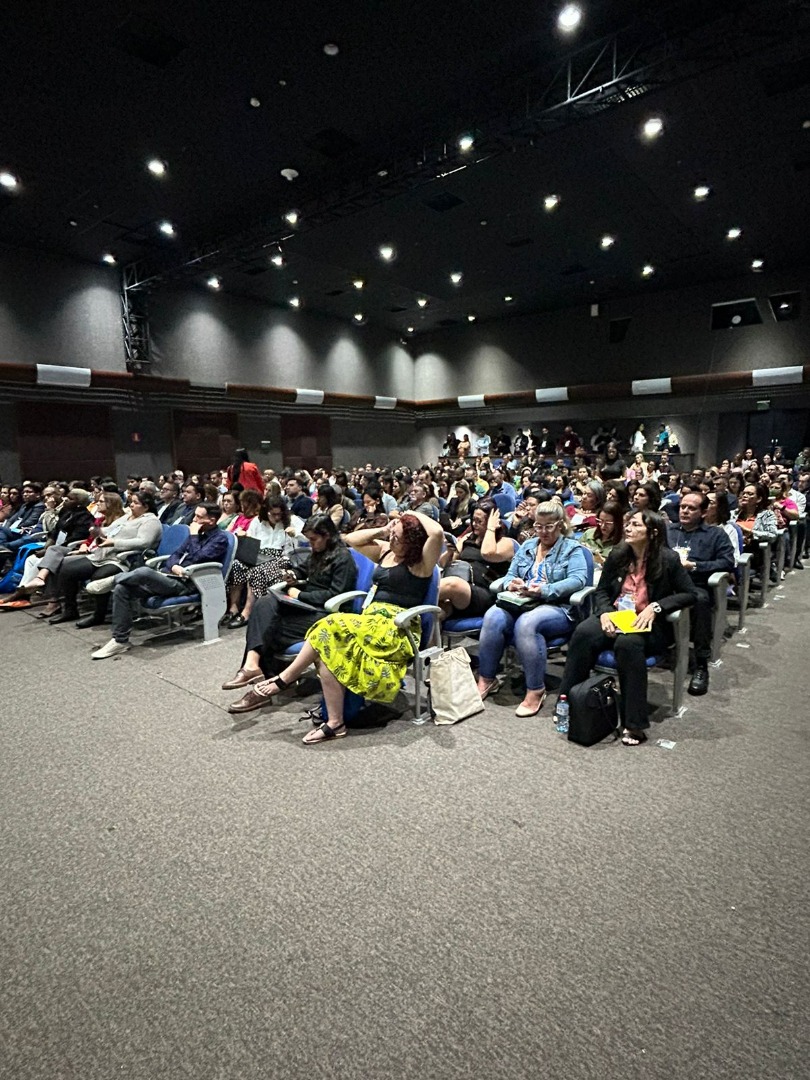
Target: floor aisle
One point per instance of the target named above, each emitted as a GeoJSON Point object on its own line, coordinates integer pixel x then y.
{"type": "Point", "coordinates": [186, 896]}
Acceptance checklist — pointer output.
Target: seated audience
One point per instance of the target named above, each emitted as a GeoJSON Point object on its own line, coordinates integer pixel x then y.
{"type": "Point", "coordinates": [22, 522]}
{"type": "Point", "coordinates": [608, 531]}
{"type": "Point", "coordinates": [482, 554]}
{"type": "Point", "coordinates": [276, 530]}
{"type": "Point", "coordinates": [229, 503]}
{"type": "Point", "coordinates": [647, 496]}
{"type": "Point", "coordinates": [172, 508]}
{"type": "Point", "coordinates": [546, 571]}
{"type": "Point", "coordinates": [585, 515]}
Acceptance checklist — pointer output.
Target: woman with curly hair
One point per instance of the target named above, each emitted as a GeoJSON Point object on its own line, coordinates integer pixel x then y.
{"type": "Point", "coordinates": [364, 653]}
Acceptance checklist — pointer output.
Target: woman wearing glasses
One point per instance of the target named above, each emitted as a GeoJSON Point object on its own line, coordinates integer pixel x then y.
{"type": "Point", "coordinates": [544, 574]}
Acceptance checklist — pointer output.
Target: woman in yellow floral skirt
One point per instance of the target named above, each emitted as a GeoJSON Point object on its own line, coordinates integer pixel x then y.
{"type": "Point", "coordinates": [364, 653]}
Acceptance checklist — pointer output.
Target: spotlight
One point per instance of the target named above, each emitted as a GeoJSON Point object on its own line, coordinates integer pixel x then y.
{"type": "Point", "coordinates": [295, 301]}
{"type": "Point", "coordinates": [255, 103]}
{"type": "Point", "coordinates": [359, 318]}
{"type": "Point", "coordinates": [607, 241]}
{"type": "Point", "coordinates": [551, 202]}
{"type": "Point", "coordinates": [422, 302]}
{"type": "Point", "coordinates": [214, 283]}
{"type": "Point", "coordinates": [331, 49]}
{"type": "Point", "coordinates": [109, 259]}
{"type": "Point", "coordinates": [9, 181]}
{"type": "Point", "coordinates": [734, 233]}
{"type": "Point", "coordinates": [470, 318]}
{"type": "Point", "coordinates": [167, 228]}
{"type": "Point", "coordinates": [290, 174]}
{"type": "Point", "coordinates": [569, 18]}
{"type": "Point", "coordinates": [409, 329]}
{"type": "Point", "coordinates": [387, 252]}
{"type": "Point", "coordinates": [157, 167]}
{"type": "Point", "coordinates": [456, 278]}
{"type": "Point", "coordinates": [647, 270]}
{"type": "Point", "coordinates": [757, 266]}
{"type": "Point", "coordinates": [291, 217]}
{"type": "Point", "coordinates": [701, 192]}
{"type": "Point", "coordinates": [465, 143]}
{"type": "Point", "coordinates": [277, 259]}
{"type": "Point", "coordinates": [508, 299]}
{"type": "Point", "coordinates": [653, 127]}
{"type": "Point", "coordinates": [358, 283]}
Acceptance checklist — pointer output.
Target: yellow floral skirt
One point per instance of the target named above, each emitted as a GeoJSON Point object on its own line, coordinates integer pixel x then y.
{"type": "Point", "coordinates": [366, 653]}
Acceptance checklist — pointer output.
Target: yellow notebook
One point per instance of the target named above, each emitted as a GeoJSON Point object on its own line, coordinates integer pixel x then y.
{"type": "Point", "coordinates": [623, 621]}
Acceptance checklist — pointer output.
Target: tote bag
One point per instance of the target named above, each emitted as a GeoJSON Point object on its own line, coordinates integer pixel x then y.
{"type": "Point", "coordinates": [453, 693]}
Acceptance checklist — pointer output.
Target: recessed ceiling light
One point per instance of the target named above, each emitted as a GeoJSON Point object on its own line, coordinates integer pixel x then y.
{"type": "Point", "coordinates": [483, 221]}
{"type": "Point", "coordinates": [647, 270]}
{"type": "Point", "coordinates": [291, 217]}
{"type": "Point", "coordinates": [214, 283]}
{"type": "Point", "coordinates": [652, 127]}
{"type": "Point", "coordinates": [331, 49]}
{"type": "Point", "coordinates": [157, 167]}
{"type": "Point", "coordinates": [290, 174]}
{"type": "Point", "coordinates": [277, 259]}
{"type": "Point", "coordinates": [255, 103]}
{"type": "Point", "coordinates": [607, 241]}
{"type": "Point", "coordinates": [551, 202]}
{"type": "Point", "coordinates": [734, 233]}
{"type": "Point", "coordinates": [456, 277]}
{"type": "Point", "coordinates": [359, 317]}
{"type": "Point", "coordinates": [701, 192]}
{"type": "Point", "coordinates": [806, 124]}
{"type": "Point", "coordinates": [358, 283]}
{"type": "Point", "coordinates": [295, 301]}
{"type": "Point", "coordinates": [470, 318]}
{"type": "Point", "coordinates": [466, 142]}
{"type": "Point", "coordinates": [387, 252]}
{"type": "Point", "coordinates": [108, 258]}
{"type": "Point", "coordinates": [422, 302]}
{"type": "Point", "coordinates": [8, 180]}
{"type": "Point", "coordinates": [508, 299]}
{"type": "Point", "coordinates": [167, 228]}
{"type": "Point", "coordinates": [409, 329]}
{"type": "Point", "coordinates": [784, 306]}
{"type": "Point", "coordinates": [757, 265]}
{"type": "Point", "coordinates": [569, 18]}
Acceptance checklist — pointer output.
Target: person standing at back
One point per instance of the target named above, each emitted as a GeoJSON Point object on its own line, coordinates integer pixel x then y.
{"type": "Point", "coordinates": [244, 472]}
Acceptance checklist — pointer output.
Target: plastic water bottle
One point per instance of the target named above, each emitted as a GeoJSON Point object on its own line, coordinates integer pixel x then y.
{"type": "Point", "coordinates": [561, 715]}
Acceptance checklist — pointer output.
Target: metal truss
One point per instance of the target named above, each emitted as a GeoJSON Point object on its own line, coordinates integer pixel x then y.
{"type": "Point", "coordinates": [135, 321]}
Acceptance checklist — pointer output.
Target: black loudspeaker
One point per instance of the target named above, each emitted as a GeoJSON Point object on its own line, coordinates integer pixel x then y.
{"type": "Point", "coordinates": [734, 313]}
{"type": "Point", "coordinates": [265, 446]}
{"type": "Point", "coordinates": [786, 306]}
{"type": "Point", "coordinates": [617, 330]}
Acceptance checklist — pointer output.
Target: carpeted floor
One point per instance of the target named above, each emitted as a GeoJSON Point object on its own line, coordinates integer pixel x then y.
{"type": "Point", "coordinates": [186, 896]}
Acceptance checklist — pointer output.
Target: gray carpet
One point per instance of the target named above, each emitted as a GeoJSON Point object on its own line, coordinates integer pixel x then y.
{"type": "Point", "coordinates": [186, 896]}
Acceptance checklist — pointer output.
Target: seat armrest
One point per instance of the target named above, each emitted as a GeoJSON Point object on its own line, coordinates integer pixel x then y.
{"type": "Point", "coordinates": [497, 586]}
{"type": "Point", "coordinates": [279, 587]}
{"type": "Point", "coordinates": [674, 616]}
{"type": "Point", "coordinates": [201, 568]}
{"type": "Point", "coordinates": [745, 559]}
{"type": "Point", "coordinates": [719, 577]}
{"type": "Point", "coordinates": [157, 561]}
{"type": "Point", "coordinates": [336, 603]}
{"type": "Point", "coordinates": [581, 595]}
{"type": "Point", "coordinates": [405, 618]}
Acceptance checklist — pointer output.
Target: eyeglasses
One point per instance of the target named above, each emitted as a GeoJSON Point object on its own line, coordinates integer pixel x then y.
{"type": "Point", "coordinates": [546, 528]}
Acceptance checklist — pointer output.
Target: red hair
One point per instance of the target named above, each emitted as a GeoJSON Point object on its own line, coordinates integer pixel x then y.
{"type": "Point", "coordinates": [414, 535]}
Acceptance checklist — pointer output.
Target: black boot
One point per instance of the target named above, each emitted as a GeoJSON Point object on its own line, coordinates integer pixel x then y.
{"type": "Point", "coordinates": [699, 683]}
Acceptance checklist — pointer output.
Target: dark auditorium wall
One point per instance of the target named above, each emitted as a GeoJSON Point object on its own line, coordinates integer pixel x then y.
{"type": "Point", "coordinates": [669, 335]}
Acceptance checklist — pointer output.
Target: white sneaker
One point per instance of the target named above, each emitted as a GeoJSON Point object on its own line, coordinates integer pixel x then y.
{"type": "Point", "coordinates": [102, 585]}
{"type": "Point", "coordinates": [112, 648]}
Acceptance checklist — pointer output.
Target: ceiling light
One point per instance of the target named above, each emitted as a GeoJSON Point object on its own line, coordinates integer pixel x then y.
{"type": "Point", "coordinates": [157, 167]}
{"type": "Point", "coordinates": [466, 142]}
{"type": "Point", "coordinates": [167, 228]}
{"type": "Point", "coordinates": [387, 252]}
{"type": "Point", "coordinates": [470, 318]}
{"type": "Point", "coordinates": [508, 299]}
{"type": "Point", "coordinates": [214, 283]}
{"type": "Point", "coordinates": [652, 127]}
{"type": "Point", "coordinates": [359, 317]}
{"type": "Point", "coordinates": [73, 223]}
{"type": "Point", "coordinates": [607, 241]}
{"type": "Point", "coordinates": [701, 192]}
{"type": "Point", "coordinates": [358, 283]}
{"type": "Point", "coordinates": [108, 258]}
{"type": "Point", "coordinates": [647, 270]}
{"type": "Point", "coordinates": [806, 124]}
{"type": "Point", "coordinates": [456, 278]}
{"type": "Point", "coordinates": [757, 265]}
{"type": "Point", "coordinates": [290, 174]}
{"type": "Point", "coordinates": [734, 233]}
{"type": "Point", "coordinates": [8, 180]}
{"type": "Point", "coordinates": [295, 301]}
{"type": "Point", "coordinates": [422, 302]}
{"type": "Point", "coordinates": [569, 18]}
{"type": "Point", "coordinates": [255, 103]}
{"type": "Point", "coordinates": [551, 202]}
{"type": "Point", "coordinates": [409, 329]}
{"type": "Point", "coordinates": [277, 259]}
{"type": "Point", "coordinates": [291, 217]}
{"type": "Point", "coordinates": [331, 49]}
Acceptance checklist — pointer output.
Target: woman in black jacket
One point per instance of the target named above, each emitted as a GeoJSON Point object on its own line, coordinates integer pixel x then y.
{"type": "Point", "coordinates": [645, 576]}
{"type": "Point", "coordinates": [273, 624]}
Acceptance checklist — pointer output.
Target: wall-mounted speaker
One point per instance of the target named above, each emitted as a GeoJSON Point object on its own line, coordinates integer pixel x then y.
{"type": "Point", "coordinates": [617, 330]}
{"type": "Point", "coordinates": [734, 313]}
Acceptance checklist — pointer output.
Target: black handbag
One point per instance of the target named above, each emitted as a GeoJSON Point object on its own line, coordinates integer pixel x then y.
{"type": "Point", "coordinates": [593, 710]}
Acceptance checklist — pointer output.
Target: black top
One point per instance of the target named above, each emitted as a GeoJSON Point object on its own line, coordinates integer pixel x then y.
{"type": "Point", "coordinates": [397, 585]}
{"type": "Point", "coordinates": [483, 572]}
{"type": "Point", "coordinates": [337, 575]}
{"type": "Point", "coordinates": [672, 590]}
{"type": "Point", "coordinates": [709, 549]}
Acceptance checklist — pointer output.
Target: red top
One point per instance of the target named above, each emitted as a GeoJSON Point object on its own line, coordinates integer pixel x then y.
{"type": "Point", "coordinates": [249, 477]}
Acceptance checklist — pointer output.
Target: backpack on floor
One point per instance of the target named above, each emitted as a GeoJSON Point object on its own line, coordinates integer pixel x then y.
{"type": "Point", "coordinates": [593, 710]}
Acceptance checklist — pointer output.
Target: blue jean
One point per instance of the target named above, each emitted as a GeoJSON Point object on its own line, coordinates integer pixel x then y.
{"type": "Point", "coordinates": [137, 585]}
{"type": "Point", "coordinates": [529, 631]}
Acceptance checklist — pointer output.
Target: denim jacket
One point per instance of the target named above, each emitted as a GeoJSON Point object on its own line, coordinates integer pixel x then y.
{"type": "Point", "coordinates": [565, 570]}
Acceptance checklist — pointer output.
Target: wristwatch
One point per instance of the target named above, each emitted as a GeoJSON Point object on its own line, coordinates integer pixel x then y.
{"type": "Point", "coordinates": [656, 608]}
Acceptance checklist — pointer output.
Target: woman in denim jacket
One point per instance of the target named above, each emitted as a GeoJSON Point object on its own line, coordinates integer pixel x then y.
{"type": "Point", "coordinates": [550, 568]}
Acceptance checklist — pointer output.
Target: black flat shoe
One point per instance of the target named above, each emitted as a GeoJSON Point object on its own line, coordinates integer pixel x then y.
{"type": "Point", "coordinates": [699, 683]}
{"type": "Point", "coordinates": [87, 621]}
{"type": "Point", "coordinates": [64, 616]}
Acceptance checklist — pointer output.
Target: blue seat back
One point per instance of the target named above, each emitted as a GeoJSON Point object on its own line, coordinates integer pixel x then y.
{"type": "Point", "coordinates": [432, 597]}
{"type": "Point", "coordinates": [365, 570]}
{"type": "Point", "coordinates": [171, 538]}
{"type": "Point", "coordinates": [230, 556]}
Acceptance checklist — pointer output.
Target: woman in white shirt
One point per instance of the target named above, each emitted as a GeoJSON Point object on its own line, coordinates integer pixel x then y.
{"type": "Point", "coordinates": [277, 532]}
